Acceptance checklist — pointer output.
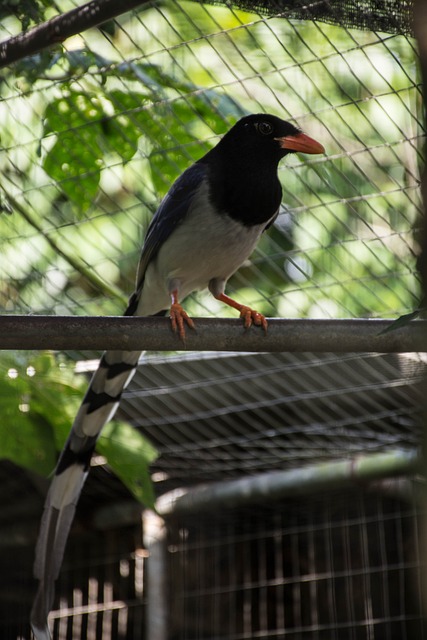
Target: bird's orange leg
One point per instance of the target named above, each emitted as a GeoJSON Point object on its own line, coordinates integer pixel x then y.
{"type": "Point", "coordinates": [250, 316]}
{"type": "Point", "coordinates": [179, 317]}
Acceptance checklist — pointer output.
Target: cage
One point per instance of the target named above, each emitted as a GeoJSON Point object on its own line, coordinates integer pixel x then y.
{"type": "Point", "coordinates": [289, 496]}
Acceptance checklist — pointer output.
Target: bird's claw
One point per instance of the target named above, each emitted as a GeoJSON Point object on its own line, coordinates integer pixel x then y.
{"type": "Point", "coordinates": [179, 318]}
{"type": "Point", "coordinates": [250, 317]}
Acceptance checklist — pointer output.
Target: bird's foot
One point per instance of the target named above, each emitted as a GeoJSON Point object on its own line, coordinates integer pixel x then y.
{"type": "Point", "coordinates": [179, 318]}
{"type": "Point", "coordinates": [250, 317]}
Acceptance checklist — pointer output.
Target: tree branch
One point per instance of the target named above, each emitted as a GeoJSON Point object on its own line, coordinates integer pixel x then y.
{"type": "Point", "coordinates": [62, 27]}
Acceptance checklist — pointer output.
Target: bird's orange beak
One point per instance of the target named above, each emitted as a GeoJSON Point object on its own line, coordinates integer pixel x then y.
{"type": "Point", "coordinates": [302, 143]}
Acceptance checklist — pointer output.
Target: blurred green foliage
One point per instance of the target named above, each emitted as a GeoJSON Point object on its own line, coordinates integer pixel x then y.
{"type": "Point", "coordinates": [27, 12]}
{"type": "Point", "coordinates": [95, 133]}
{"type": "Point", "coordinates": [40, 395]}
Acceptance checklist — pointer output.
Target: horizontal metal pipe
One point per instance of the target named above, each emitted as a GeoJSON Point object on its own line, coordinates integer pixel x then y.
{"type": "Point", "coordinates": [211, 334]}
{"type": "Point", "coordinates": [291, 483]}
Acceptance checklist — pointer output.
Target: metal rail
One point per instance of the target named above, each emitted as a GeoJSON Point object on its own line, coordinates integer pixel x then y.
{"type": "Point", "coordinates": [291, 483]}
{"type": "Point", "coordinates": [213, 334]}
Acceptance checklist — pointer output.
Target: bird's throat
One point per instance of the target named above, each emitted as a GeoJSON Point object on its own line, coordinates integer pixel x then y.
{"type": "Point", "coordinates": [250, 201]}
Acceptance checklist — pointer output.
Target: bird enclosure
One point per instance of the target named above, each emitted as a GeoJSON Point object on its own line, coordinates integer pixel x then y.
{"type": "Point", "coordinates": [288, 486]}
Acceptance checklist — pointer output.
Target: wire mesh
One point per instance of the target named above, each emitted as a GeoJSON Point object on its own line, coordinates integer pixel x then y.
{"type": "Point", "coordinates": [100, 594]}
{"type": "Point", "coordinates": [92, 145]}
{"type": "Point", "coordinates": [220, 416]}
{"type": "Point", "coordinates": [92, 137]}
{"type": "Point", "coordinates": [342, 566]}
{"type": "Point", "coordinates": [101, 589]}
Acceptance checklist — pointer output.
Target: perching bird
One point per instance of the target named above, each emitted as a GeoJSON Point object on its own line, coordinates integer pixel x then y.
{"type": "Point", "coordinates": [204, 229]}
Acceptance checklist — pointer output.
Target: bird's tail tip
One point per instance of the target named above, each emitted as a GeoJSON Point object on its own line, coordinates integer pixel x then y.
{"type": "Point", "coordinates": [41, 633]}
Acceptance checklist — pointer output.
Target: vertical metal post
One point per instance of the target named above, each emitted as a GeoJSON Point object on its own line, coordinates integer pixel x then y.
{"type": "Point", "coordinates": [155, 584]}
{"type": "Point", "coordinates": [420, 28]}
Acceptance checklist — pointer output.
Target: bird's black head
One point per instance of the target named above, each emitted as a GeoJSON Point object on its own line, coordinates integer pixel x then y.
{"type": "Point", "coordinates": [266, 136]}
{"type": "Point", "coordinates": [243, 166]}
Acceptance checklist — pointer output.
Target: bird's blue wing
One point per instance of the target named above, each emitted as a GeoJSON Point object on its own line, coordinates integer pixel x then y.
{"type": "Point", "coordinates": [170, 214]}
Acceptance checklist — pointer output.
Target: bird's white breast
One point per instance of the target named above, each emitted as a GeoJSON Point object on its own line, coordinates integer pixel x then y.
{"type": "Point", "coordinates": [203, 247]}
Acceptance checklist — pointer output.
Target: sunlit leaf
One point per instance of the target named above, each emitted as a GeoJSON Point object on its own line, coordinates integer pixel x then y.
{"type": "Point", "coordinates": [40, 396]}
{"type": "Point", "coordinates": [403, 321]}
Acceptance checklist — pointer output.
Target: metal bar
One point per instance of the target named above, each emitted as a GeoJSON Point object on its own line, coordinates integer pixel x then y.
{"type": "Point", "coordinates": [420, 29]}
{"type": "Point", "coordinates": [291, 483]}
{"type": "Point", "coordinates": [213, 334]}
{"type": "Point", "coordinates": [156, 580]}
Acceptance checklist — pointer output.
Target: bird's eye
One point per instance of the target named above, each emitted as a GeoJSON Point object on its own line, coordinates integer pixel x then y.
{"type": "Point", "coordinates": [265, 128]}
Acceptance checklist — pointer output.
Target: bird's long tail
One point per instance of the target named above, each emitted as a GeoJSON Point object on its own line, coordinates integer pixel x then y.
{"type": "Point", "coordinates": [99, 405]}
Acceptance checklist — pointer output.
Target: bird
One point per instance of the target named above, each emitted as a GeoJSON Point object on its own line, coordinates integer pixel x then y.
{"type": "Point", "coordinates": [204, 229]}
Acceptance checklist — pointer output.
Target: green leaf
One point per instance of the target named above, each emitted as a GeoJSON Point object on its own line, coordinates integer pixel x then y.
{"type": "Point", "coordinates": [26, 437]}
{"type": "Point", "coordinates": [123, 130]}
{"type": "Point", "coordinates": [40, 396]}
{"type": "Point", "coordinates": [75, 160]}
{"type": "Point", "coordinates": [129, 455]}
{"type": "Point", "coordinates": [403, 321]}
{"type": "Point", "coordinates": [149, 75]}
{"type": "Point", "coordinates": [25, 441]}
{"type": "Point", "coordinates": [26, 11]}
{"type": "Point", "coordinates": [87, 132]}
{"type": "Point", "coordinates": [83, 59]}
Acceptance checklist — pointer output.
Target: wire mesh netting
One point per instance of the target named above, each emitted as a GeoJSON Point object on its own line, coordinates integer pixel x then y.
{"type": "Point", "coordinates": [92, 145]}
{"type": "Point", "coordinates": [342, 566]}
{"type": "Point", "coordinates": [92, 136]}
{"type": "Point", "coordinates": [217, 417]}
{"type": "Point", "coordinates": [102, 588]}
{"type": "Point", "coordinates": [100, 591]}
